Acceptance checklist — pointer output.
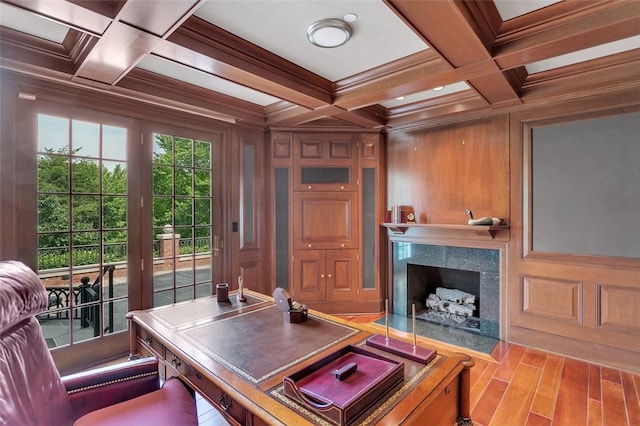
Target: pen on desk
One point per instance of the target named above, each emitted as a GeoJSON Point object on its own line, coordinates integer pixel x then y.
{"type": "Point", "coordinates": [386, 320]}
{"type": "Point", "coordinates": [413, 314]}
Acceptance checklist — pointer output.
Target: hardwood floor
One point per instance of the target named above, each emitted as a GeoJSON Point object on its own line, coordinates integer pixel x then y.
{"type": "Point", "coordinates": [518, 386]}
{"type": "Point", "coordinates": [525, 386]}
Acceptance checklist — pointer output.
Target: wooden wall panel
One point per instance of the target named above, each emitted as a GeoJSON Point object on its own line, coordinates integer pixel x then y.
{"type": "Point", "coordinates": [251, 273]}
{"type": "Point", "coordinates": [441, 172]}
{"type": "Point", "coordinates": [619, 308]}
{"type": "Point", "coordinates": [247, 249]}
{"type": "Point", "coordinates": [311, 147]}
{"type": "Point", "coordinates": [282, 148]}
{"type": "Point", "coordinates": [311, 228]}
{"type": "Point", "coordinates": [560, 300]}
{"type": "Point", "coordinates": [606, 326]}
{"type": "Point", "coordinates": [339, 148]}
{"type": "Point", "coordinates": [369, 146]}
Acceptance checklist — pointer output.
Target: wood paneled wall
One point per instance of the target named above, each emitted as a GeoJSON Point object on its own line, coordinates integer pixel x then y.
{"type": "Point", "coordinates": [443, 171]}
{"type": "Point", "coordinates": [581, 306]}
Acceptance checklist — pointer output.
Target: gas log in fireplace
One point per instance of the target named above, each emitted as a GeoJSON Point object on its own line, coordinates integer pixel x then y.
{"type": "Point", "coordinates": [449, 296]}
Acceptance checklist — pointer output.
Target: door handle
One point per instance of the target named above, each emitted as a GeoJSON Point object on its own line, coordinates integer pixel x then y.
{"type": "Point", "coordinates": [216, 245]}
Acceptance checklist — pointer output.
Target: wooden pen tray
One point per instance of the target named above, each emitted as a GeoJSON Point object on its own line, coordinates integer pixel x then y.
{"type": "Point", "coordinates": [341, 401]}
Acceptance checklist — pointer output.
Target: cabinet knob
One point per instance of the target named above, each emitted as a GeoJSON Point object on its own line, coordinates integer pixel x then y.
{"type": "Point", "coordinates": [309, 187]}
{"type": "Point", "coordinates": [309, 246]}
{"type": "Point", "coordinates": [342, 245]}
{"type": "Point", "coordinates": [321, 275]}
{"type": "Point", "coordinates": [329, 275]}
{"type": "Point", "coordinates": [341, 187]}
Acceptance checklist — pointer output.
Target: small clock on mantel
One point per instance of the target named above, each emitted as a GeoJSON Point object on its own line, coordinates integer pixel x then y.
{"type": "Point", "coordinates": [411, 217]}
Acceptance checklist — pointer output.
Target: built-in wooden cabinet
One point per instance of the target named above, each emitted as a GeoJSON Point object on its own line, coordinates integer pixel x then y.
{"type": "Point", "coordinates": [326, 183]}
{"type": "Point", "coordinates": [325, 220]}
{"type": "Point", "coordinates": [325, 162]}
{"type": "Point", "coordinates": [325, 275]}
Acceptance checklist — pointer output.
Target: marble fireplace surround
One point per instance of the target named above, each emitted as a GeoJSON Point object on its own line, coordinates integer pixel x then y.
{"type": "Point", "coordinates": [484, 257]}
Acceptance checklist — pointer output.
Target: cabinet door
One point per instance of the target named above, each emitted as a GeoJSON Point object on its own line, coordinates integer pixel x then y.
{"type": "Point", "coordinates": [342, 275]}
{"type": "Point", "coordinates": [309, 276]}
{"type": "Point", "coordinates": [325, 163]}
{"type": "Point", "coordinates": [325, 220]}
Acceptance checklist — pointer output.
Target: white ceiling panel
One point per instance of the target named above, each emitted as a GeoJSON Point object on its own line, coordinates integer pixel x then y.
{"type": "Point", "coordinates": [584, 55]}
{"type": "Point", "coordinates": [280, 27]}
{"type": "Point", "coordinates": [510, 9]}
{"type": "Point", "coordinates": [25, 22]}
{"type": "Point", "coordinates": [190, 75]}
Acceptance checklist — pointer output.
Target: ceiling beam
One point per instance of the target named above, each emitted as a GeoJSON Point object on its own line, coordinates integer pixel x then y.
{"type": "Point", "coordinates": [116, 53]}
{"type": "Point", "coordinates": [461, 33]}
{"type": "Point", "coordinates": [225, 55]}
{"type": "Point", "coordinates": [135, 32]}
{"type": "Point", "coordinates": [586, 28]}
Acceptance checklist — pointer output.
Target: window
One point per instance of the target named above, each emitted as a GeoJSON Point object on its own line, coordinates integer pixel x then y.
{"type": "Point", "coordinates": [182, 220]}
{"type": "Point", "coordinates": [82, 227]}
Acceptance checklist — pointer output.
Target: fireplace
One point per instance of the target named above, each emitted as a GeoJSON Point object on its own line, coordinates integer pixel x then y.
{"type": "Point", "coordinates": [419, 269]}
{"type": "Point", "coordinates": [445, 296]}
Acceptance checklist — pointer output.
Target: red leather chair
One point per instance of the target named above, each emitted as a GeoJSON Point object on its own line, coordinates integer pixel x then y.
{"type": "Point", "coordinates": [33, 393]}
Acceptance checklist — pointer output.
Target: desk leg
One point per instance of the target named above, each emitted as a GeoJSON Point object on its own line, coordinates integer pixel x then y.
{"type": "Point", "coordinates": [133, 342]}
{"type": "Point", "coordinates": [465, 399]}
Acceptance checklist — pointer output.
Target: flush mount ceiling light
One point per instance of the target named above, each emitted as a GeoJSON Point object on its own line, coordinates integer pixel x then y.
{"type": "Point", "coordinates": [329, 33]}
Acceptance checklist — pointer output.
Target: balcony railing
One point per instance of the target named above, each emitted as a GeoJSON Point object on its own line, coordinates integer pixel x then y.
{"type": "Point", "coordinates": [85, 298]}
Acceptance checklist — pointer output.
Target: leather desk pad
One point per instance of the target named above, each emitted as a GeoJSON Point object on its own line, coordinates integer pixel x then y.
{"type": "Point", "coordinates": [183, 315]}
{"type": "Point", "coordinates": [257, 345]}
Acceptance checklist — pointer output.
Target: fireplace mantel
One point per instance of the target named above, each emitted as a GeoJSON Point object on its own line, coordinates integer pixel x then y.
{"type": "Point", "coordinates": [480, 248]}
{"type": "Point", "coordinates": [499, 232]}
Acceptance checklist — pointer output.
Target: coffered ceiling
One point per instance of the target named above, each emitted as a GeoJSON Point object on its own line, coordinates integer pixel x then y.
{"type": "Point", "coordinates": [250, 61]}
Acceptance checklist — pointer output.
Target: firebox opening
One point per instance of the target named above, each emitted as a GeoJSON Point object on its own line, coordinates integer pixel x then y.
{"type": "Point", "coordinates": [445, 296]}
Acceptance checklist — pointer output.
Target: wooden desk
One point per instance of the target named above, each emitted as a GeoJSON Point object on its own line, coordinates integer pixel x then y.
{"type": "Point", "coordinates": [237, 354]}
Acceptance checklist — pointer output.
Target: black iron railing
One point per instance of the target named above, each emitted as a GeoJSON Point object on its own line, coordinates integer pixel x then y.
{"type": "Point", "coordinates": [86, 298]}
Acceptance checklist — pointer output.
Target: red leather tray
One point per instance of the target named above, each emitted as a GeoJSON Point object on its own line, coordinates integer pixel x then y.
{"type": "Point", "coordinates": [343, 400]}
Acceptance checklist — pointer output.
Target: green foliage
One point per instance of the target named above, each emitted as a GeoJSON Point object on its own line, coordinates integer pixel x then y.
{"type": "Point", "coordinates": [192, 186]}
{"type": "Point", "coordinates": [52, 260]}
{"type": "Point", "coordinates": [180, 172]}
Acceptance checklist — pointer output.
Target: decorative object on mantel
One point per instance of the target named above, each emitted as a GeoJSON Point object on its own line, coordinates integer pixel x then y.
{"type": "Point", "coordinates": [400, 214]}
{"type": "Point", "coordinates": [396, 214]}
{"type": "Point", "coordinates": [483, 220]}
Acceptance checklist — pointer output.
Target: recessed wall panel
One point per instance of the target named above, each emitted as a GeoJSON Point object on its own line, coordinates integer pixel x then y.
{"type": "Point", "coordinates": [551, 298]}
{"type": "Point", "coordinates": [619, 308]}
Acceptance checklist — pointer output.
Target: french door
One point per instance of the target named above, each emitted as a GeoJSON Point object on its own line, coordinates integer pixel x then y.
{"type": "Point", "coordinates": [85, 224]}
{"type": "Point", "coordinates": [183, 188]}
{"type": "Point", "coordinates": [128, 217]}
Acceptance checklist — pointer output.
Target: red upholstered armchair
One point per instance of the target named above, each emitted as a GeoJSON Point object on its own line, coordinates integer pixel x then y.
{"type": "Point", "coordinates": [33, 393]}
